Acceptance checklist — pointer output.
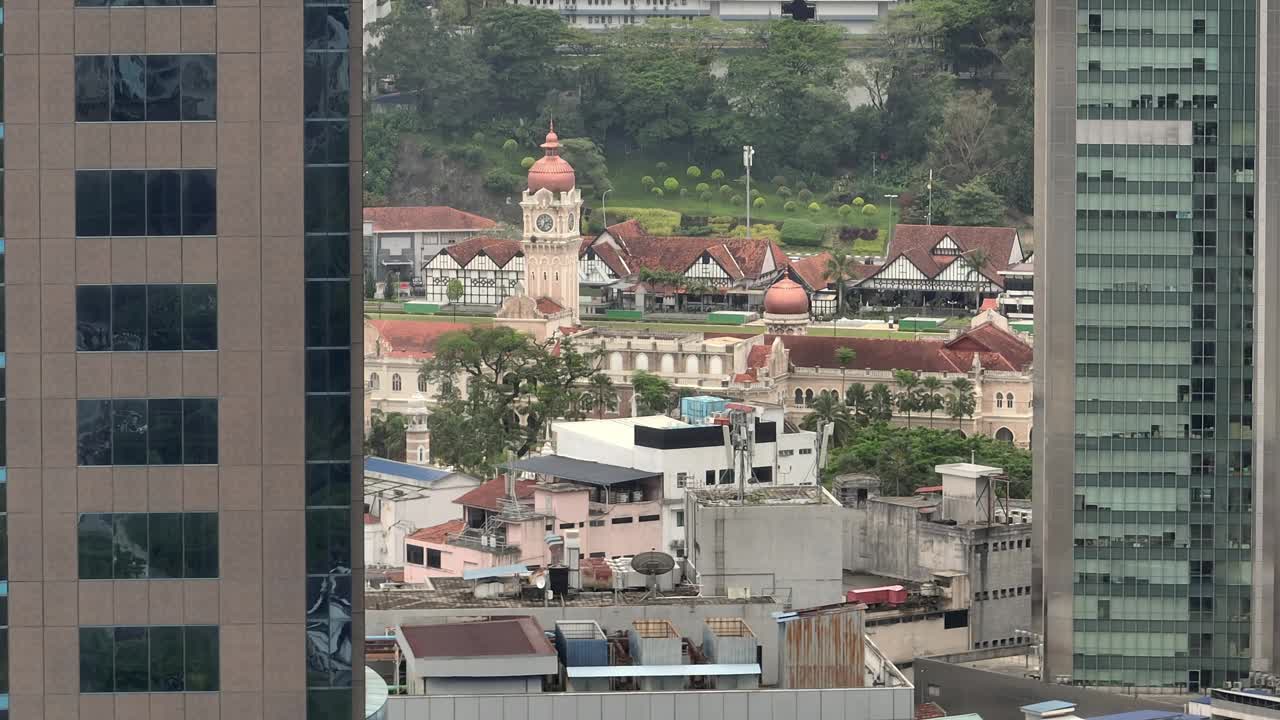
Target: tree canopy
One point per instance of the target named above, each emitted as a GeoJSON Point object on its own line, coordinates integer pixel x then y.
{"type": "Point", "coordinates": [498, 390]}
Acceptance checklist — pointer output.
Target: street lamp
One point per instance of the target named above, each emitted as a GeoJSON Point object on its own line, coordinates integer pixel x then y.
{"type": "Point", "coordinates": [748, 152]}
{"type": "Point", "coordinates": [604, 209]}
{"type": "Point", "coordinates": [892, 221]}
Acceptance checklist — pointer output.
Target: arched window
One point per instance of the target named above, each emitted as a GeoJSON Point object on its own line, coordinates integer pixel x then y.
{"type": "Point", "coordinates": [808, 396]}
{"type": "Point", "coordinates": [422, 454]}
{"type": "Point", "coordinates": [999, 400]}
{"type": "Point", "coordinates": [422, 383]}
{"type": "Point", "coordinates": [1008, 401]}
{"type": "Point", "coordinates": [691, 365]}
{"type": "Point", "coordinates": [642, 362]}
{"type": "Point", "coordinates": [373, 380]}
{"type": "Point", "coordinates": [1004, 434]}
{"type": "Point", "coordinates": [395, 382]}
{"type": "Point", "coordinates": [615, 361]}
{"type": "Point", "coordinates": [557, 276]}
{"type": "Point", "coordinates": [799, 396]}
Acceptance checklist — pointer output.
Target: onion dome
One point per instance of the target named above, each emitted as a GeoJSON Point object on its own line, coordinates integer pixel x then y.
{"type": "Point", "coordinates": [551, 171]}
{"type": "Point", "coordinates": [786, 297]}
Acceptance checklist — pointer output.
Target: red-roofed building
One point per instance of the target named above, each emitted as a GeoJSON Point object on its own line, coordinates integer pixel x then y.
{"type": "Point", "coordinates": [393, 351]}
{"type": "Point", "coordinates": [401, 239]}
{"type": "Point", "coordinates": [942, 264]}
{"type": "Point", "coordinates": [490, 269]}
{"type": "Point", "coordinates": [811, 272]}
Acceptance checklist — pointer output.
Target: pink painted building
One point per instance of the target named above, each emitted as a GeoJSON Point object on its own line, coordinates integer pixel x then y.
{"type": "Point", "coordinates": [615, 511]}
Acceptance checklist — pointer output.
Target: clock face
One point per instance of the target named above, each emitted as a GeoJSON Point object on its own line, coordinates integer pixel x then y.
{"type": "Point", "coordinates": [545, 222]}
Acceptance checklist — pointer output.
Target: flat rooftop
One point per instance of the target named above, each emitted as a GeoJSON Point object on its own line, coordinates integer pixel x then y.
{"type": "Point", "coordinates": [753, 495]}
{"type": "Point", "coordinates": [618, 431]}
{"type": "Point", "coordinates": [1023, 665]}
{"type": "Point", "coordinates": [452, 593]}
{"type": "Point", "coordinates": [504, 637]}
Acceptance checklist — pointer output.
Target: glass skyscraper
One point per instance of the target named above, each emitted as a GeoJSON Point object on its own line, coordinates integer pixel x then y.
{"type": "Point", "coordinates": [1149, 446]}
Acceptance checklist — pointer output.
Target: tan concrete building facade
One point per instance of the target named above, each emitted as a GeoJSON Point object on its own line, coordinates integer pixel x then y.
{"type": "Point", "coordinates": [231, 218]}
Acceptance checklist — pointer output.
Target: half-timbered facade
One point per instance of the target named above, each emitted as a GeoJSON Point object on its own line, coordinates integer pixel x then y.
{"type": "Point", "coordinates": [490, 269]}
{"type": "Point", "coordinates": [942, 264]}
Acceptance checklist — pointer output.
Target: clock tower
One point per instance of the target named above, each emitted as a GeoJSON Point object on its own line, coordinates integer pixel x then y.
{"type": "Point", "coordinates": [552, 208]}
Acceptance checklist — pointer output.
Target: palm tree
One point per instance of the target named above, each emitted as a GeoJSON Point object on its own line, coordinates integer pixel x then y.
{"type": "Point", "coordinates": [931, 398]}
{"type": "Point", "coordinates": [881, 403]}
{"type": "Point", "coordinates": [602, 394]}
{"type": "Point", "coordinates": [828, 410]}
{"type": "Point", "coordinates": [961, 402]}
{"type": "Point", "coordinates": [844, 356]}
{"type": "Point", "coordinates": [576, 403]}
{"type": "Point", "coordinates": [977, 258]}
{"type": "Point", "coordinates": [908, 397]}
{"type": "Point", "coordinates": [839, 268]}
{"type": "Point", "coordinates": [859, 399]}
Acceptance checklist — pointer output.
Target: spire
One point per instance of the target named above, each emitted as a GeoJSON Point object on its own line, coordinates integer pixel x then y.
{"type": "Point", "coordinates": [552, 143]}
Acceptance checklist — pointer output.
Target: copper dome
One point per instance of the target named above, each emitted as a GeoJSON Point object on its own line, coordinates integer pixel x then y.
{"type": "Point", "coordinates": [786, 297]}
{"type": "Point", "coordinates": [551, 171]}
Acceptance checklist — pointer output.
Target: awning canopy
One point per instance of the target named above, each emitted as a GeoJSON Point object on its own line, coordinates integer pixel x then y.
{"type": "Point", "coordinates": [582, 471]}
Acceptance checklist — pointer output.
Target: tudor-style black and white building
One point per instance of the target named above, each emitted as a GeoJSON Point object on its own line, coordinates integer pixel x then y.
{"type": "Point", "coordinates": [491, 270]}
{"type": "Point", "coordinates": [928, 264]}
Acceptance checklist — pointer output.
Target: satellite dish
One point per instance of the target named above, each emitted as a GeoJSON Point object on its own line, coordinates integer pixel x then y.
{"type": "Point", "coordinates": [541, 581]}
{"type": "Point", "coordinates": [653, 563]}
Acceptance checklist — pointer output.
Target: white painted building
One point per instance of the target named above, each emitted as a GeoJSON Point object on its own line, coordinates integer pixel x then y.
{"type": "Point", "coordinates": [690, 456]}
{"type": "Point", "coordinates": [401, 498]}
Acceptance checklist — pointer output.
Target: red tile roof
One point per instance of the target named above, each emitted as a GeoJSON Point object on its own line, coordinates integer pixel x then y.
{"type": "Point", "coordinates": [739, 257]}
{"type": "Point", "coordinates": [917, 243]}
{"type": "Point", "coordinates": [626, 231]}
{"type": "Point", "coordinates": [987, 304]}
{"type": "Point", "coordinates": [413, 338]}
{"type": "Point", "coordinates": [929, 711]}
{"type": "Point", "coordinates": [995, 348]}
{"type": "Point", "coordinates": [435, 217]}
{"type": "Point", "coordinates": [487, 495]}
{"type": "Point", "coordinates": [499, 250]}
{"type": "Point", "coordinates": [488, 638]}
{"type": "Point", "coordinates": [758, 357]}
{"type": "Point", "coordinates": [438, 533]}
{"type": "Point", "coordinates": [547, 306]}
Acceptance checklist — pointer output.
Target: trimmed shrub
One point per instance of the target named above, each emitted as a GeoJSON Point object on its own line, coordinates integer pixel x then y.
{"type": "Point", "coordinates": [756, 194]}
{"type": "Point", "coordinates": [758, 202]}
{"type": "Point", "coordinates": [693, 231]}
{"type": "Point", "coordinates": [844, 211]}
{"type": "Point", "coordinates": [789, 206]}
{"type": "Point", "coordinates": [477, 137]}
{"type": "Point", "coordinates": [706, 196]}
{"type": "Point", "coordinates": [814, 207]}
{"type": "Point", "coordinates": [647, 181]}
{"type": "Point", "coordinates": [654, 220]}
{"type": "Point", "coordinates": [859, 202]}
{"type": "Point", "coordinates": [472, 156]}
{"type": "Point", "coordinates": [717, 174]}
{"type": "Point", "coordinates": [725, 190]}
{"type": "Point", "coordinates": [804, 195]}
{"type": "Point", "coordinates": [662, 166]}
{"type": "Point", "coordinates": [802, 185]}
{"type": "Point", "coordinates": [671, 184]}
{"type": "Point", "coordinates": [779, 180]}
{"type": "Point", "coordinates": [509, 146]}
{"type": "Point", "coordinates": [737, 200]}
{"type": "Point", "coordinates": [693, 171]}
{"type": "Point", "coordinates": [502, 182]}
{"type": "Point", "coordinates": [684, 192]}
{"type": "Point", "coordinates": [797, 231]}
{"type": "Point", "coordinates": [869, 210]}
{"type": "Point", "coordinates": [853, 234]}
{"type": "Point", "coordinates": [784, 191]}
{"type": "Point", "coordinates": [526, 162]}
{"type": "Point", "coordinates": [701, 187]}
{"type": "Point", "coordinates": [761, 230]}
{"type": "Point", "coordinates": [657, 191]}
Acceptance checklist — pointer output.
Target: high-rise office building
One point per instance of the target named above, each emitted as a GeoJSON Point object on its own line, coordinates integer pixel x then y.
{"type": "Point", "coordinates": [181, 185]}
{"type": "Point", "coordinates": [1152, 392]}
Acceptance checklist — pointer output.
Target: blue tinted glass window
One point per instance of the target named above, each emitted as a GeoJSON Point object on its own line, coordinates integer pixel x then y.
{"type": "Point", "coordinates": [128, 202]}
{"type": "Point", "coordinates": [164, 202]}
{"type": "Point", "coordinates": [129, 432]}
{"type": "Point", "coordinates": [326, 85]}
{"type": "Point", "coordinates": [129, 88]}
{"type": "Point", "coordinates": [128, 317]}
{"type": "Point", "coordinates": [93, 203]}
{"type": "Point", "coordinates": [164, 98]}
{"type": "Point", "coordinates": [326, 28]}
{"type": "Point", "coordinates": [93, 317]}
{"type": "Point", "coordinates": [199, 202]}
{"type": "Point", "coordinates": [328, 312]}
{"type": "Point", "coordinates": [200, 431]}
{"type": "Point", "coordinates": [164, 317]}
{"type": "Point", "coordinates": [327, 198]}
{"type": "Point", "coordinates": [164, 443]}
{"type": "Point", "coordinates": [93, 88]}
{"type": "Point", "coordinates": [328, 427]}
{"type": "Point", "coordinates": [93, 432]}
{"type": "Point", "coordinates": [199, 87]}
{"type": "Point", "coordinates": [199, 317]}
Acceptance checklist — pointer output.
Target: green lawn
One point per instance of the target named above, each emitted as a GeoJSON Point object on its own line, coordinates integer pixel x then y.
{"type": "Point", "coordinates": [628, 191]}
{"type": "Point", "coordinates": [818, 329]}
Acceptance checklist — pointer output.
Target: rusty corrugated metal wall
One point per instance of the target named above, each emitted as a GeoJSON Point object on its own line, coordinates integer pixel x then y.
{"type": "Point", "coordinates": [823, 649]}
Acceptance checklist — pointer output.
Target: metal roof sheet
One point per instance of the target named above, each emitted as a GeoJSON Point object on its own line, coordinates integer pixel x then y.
{"type": "Point", "coordinates": [495, 572]}
{"type": "Point", "coordinates": [594, 473]}
{"type": "Point", "coordinates": [660, 670]}
{"type": "Point", "coordinates": [383, 466]}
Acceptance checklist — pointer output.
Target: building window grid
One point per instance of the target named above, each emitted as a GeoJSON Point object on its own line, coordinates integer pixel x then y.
{"type": "Point", "coordinates": [117, 659]}
{"type": "Point", "coordinates": [328, 279]}
{"type": "Point", "coordinates": [4, 517]}
{"type": "Point", "coordinates": [1110, 652]}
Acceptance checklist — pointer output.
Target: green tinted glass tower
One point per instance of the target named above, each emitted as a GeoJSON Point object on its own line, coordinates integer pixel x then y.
{"type": "Point", "coordinates": [1151, 274]}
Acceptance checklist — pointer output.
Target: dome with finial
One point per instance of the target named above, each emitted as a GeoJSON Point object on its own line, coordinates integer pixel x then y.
{"type": "Point", "coordinates": [786, 297]}
{"type": "Point", "coordinates": [551, 171]}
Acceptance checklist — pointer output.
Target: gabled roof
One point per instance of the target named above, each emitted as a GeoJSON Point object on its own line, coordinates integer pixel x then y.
{"type": "Point", "coordinates": [499, 250]}
{"type": "Point", "coordinates": [626, 231]}
{"type": "Point", "coordinates": [438, 533]}
{"type": "Point", "coordinates": [547, 306]}
{"type": "Point", "coordinates": [741, 258]}
{"type": "Point", "coordinates": [995, 348]}
{"type": "Point", "coordinates": [918, 242]}
{"type": "Point", "coordinates": [487, 495]}
{"type": "Point", "coordinates": [811, 271]}
{"type": "Point", "coordinates": [432, 217]}
{"type": "Point", "coordinates": [412, 338]}
{"type": "Point", "coordinates": [513, 636]}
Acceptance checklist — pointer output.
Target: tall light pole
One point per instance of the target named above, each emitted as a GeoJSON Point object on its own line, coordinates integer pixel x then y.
{"type": "Point", "coordinates": [748, 153]}
{"type": "Point", "coordinates": [892, 220]}
{"type": "Point", "coordinates": [604, 209]}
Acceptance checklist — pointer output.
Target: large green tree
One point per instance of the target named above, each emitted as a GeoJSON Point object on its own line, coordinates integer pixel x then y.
{"type": "Point", "coordinates": [498, 390]}
{"type": "Point", "coordinates": [975, 203]}
{"type": "Point", "coordinates": [653, 394]}
{"type": "Point", "coordinates": [436, 65]}
{"type": "Point", "coordinates": [386, 435]}
{"type": "Point", "coordinates": [517, 43]}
